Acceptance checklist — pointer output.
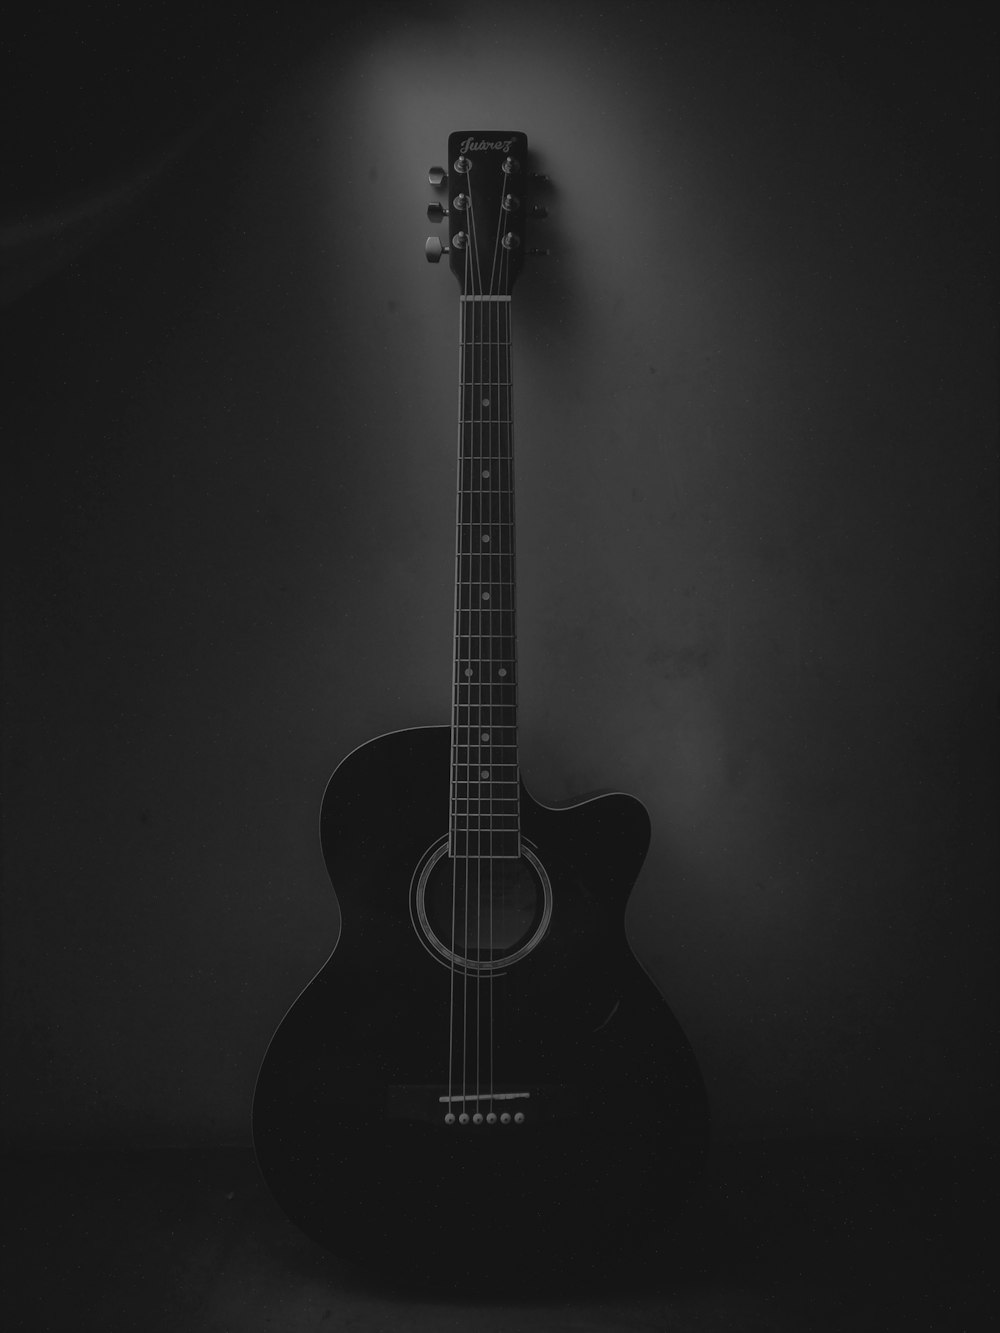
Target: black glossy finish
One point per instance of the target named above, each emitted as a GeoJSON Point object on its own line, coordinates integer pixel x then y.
{"type": "Point", "coordinates": [354, 1149]}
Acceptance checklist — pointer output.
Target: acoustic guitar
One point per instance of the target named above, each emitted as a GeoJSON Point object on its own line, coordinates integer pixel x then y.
{"type": "Point", "coordinates": [481, 1081]}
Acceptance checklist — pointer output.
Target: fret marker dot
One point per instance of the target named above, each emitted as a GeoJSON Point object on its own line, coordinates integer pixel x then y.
{"type": "Point", "coordinates": [485, 736]}
{"type": "Point", "coordinates": [486, 472]}
{"type": "Point", "coordinates": [486, 597]}
{"type": "Point", "coordinates": [486, 402]}
{"type": "Point", "coordinates": [486, 536]}
{"type": "Point", "coordinates": [502, 671]}
{"type": "Point", "coordinates": [484, 772]}
{"type": "Point", "coordinates": [468, 671]}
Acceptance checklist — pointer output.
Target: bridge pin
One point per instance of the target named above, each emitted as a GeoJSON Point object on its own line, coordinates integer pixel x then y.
{"type": "Point", "coordinates": [463, 1119]}
{"type": "Point", "coordinates": [450, 1118]}
{"type": "Point", "coordinates": [505, 1118]}
{"type": "Point", "coordinates": [519, 1118]}
{"type": "Point", "coordinates": [491, 1119]}
{"type": "Point", "coordinates": [477, 1119]}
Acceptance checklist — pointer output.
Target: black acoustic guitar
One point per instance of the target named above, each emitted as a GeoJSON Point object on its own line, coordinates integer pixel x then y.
{"type": "Point", "coordinates": [481, 1080]}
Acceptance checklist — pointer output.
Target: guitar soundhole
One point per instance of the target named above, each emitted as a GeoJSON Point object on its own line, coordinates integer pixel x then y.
{"type": "Point", "coordinates": [482, 914]}
{"type": "Point", "coordinates": [496, 905]}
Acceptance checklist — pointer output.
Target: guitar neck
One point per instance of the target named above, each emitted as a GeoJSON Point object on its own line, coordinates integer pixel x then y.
{"type": "Point", "coordinates": [485, 789]}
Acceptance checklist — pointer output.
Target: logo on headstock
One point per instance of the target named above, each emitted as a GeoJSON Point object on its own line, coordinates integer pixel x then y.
{"type": "Point", "coordinates": [471, 145]}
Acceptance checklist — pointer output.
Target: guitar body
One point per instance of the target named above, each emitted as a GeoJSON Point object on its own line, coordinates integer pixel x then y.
{"type": "Point", "coordinates": [592, 1115]}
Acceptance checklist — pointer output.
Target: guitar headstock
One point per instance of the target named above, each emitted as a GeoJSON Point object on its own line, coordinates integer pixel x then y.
{"type": "Point", "coordinates": [487, 183]}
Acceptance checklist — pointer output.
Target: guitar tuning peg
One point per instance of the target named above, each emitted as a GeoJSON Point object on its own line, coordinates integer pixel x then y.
{"type": "Point", "coordinates": [433, 250]}
{"type": "Point", "coordinates": [437, 177]}
{"type": "Point", "coordinates": [437, 212]}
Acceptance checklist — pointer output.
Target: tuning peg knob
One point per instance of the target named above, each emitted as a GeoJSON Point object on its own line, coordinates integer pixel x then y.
{"type": "Point", "coordinates": [437, 212]}
{"type": "Point", "coordinates": [437, 177]}
{"type": "Point", "coordinates": [433, 249]}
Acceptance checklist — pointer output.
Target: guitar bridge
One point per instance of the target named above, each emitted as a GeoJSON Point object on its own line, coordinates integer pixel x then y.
{"type": "Point", "coordinates": [434, 1104]}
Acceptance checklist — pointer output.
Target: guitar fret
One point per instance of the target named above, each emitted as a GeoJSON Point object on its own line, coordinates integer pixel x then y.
{"type": "Point", "coordinates": [467, 797]}
{"type": "Point", "coordinates": [491, 746]}
{"type": "Point", "coordinates": [467, 805]}
{"type": "Point", "coordinates": [486, 821]}
{"type": "Point", "coordinates": [492, 694]}
{"type": "Point", "coordinates": [463, 812]}
{"type": "Point", "coordinates": [512, 801]}
{"type": "Point", "coordinates": [495, 710]}
{"type": "Point", "coordinates": [494, 728]}
{"type": "Point", "coordinates": [492, 772]}
{"type": "Point", "coordinates": [482, 776]}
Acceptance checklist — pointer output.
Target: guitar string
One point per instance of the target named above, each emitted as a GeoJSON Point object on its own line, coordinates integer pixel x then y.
{"type": "Point", "coordinates": [505, 520]}
{"type": "Point", "coordinates": [453, 792]}
{"type": "Point", "coordinates": [472, 245]}
{"type": "Point", "coordinates": [503, 413]}
{"type": "Point", "coordinates": [488, 563]}
{"type": "Point", "coordinates": [491, 864]}
{"type": "Point", "coordinates": [483, 693]}
{"type": "Point", "coordinates": [472, 287]}
{"type": "Point", "coordinates": [496, 281]}
{"type": "Point", "coordinates": [491, 719]}
{"type": "Point", "coordinates": [455, 801]}
{"type": "Point", "coordinates": [479, 392]}
{"type": "Point", "coordinates": [465, 654]}
{"type": "Point", "coordinates": [486, 449]}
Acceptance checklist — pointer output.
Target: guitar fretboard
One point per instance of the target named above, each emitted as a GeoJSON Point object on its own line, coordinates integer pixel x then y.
{"type": "Point", "coordinates": [484, 774]}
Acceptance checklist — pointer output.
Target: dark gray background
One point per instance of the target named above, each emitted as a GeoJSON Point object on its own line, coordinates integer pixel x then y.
{"type": "Point", "coordinates": [756, 416]}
